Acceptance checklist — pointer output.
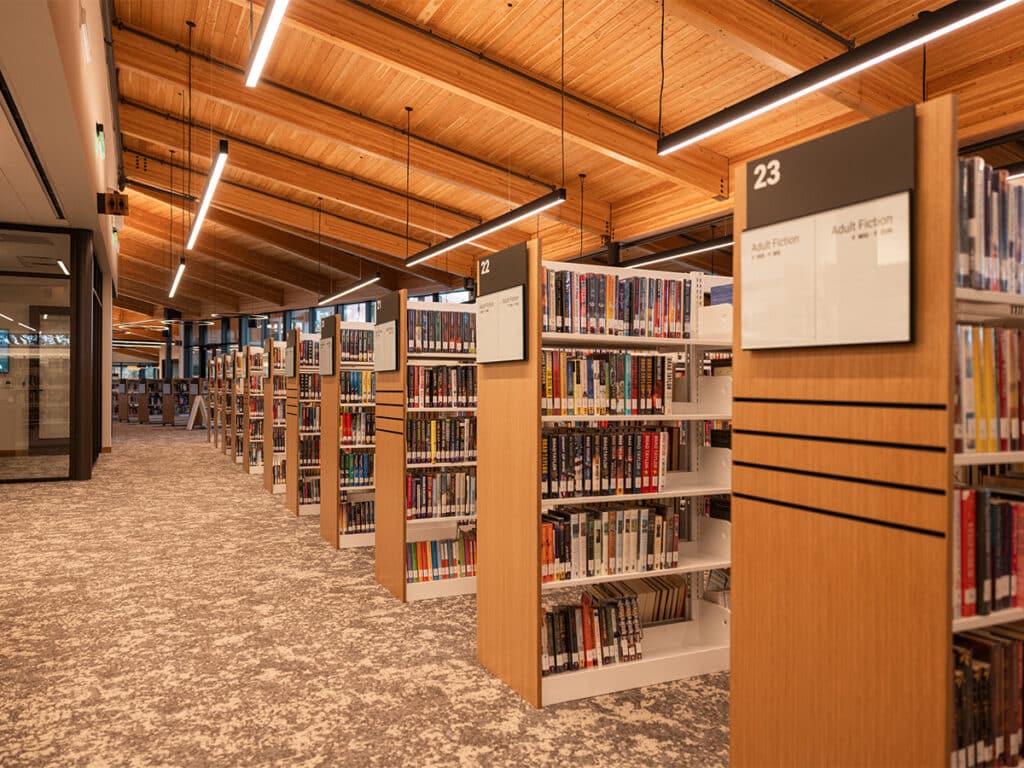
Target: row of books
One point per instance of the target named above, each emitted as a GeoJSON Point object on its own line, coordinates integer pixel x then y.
{"type": "Point", "coordinates": [254, 360]}
{"type": "Point", "coordinates": [355, 470]}
{"type": "Point", "coordinates": [308, 352]}
{"type": "Point", "coordinates": [435, 331]}
{"type": "Point", "coordinates": [988, 389]}
{"type": "Point", "coordinates": [277, 358]}
{"type": "Point", "coordinates": [355, 346]}
{"type": "Point", "coordinates": [356, 428]}
{"type": "Point", "coordinates": [255, 384]}
{"type": "Point", "coordinates": [595, 633]}
{"type": "Point", "coordinates": [438, 440]}
{"type": "Point", "coordinates": [605, 462]}
{"type": "Point", "coordinates": [356, 517]}
{"type": "Point", "coordinates": [277, 474]}
{"type": "Point", "coordinates": [357, 386]}
{"type": "Point", "coordinates": [578, 543]}
{"type": "Point", "coordinates": [181, 404]}
{"type": "Point", "coordinates": [256, 430]}
{"type": "Point", "coordinates": [255, 454]}
{"type": "Point", "coordinates": [255, 407]}
{"type": "Point", "coordinates": [450, 493]}
{"type": "Point", "coordinates": [280, 387]}
{"type": "Point", "coordinates": [590, 303]}
{"type": "Point", "coordinates": [278, 437]}
{"type": "Point", "coordinates": [597, 383]}
{"type": "Point", "coordinates": [442, 559]}
{"type": "Point", "coordinates": [991, 252]}
{"type": "Point", "coordinates": [309, 386]}
{"type": "Point", "coordinates": [988, 696]}
{"type": "Point", "coordinates": [309, 417]}
{"type": "Point", "coordinates": [441, 386]}
{"type": "Point", "coordinates": [988, 551]}
{"type": "Point", "coordinates": [309, 489]}
{"type": "Point", "coordinates": [279, 409]}
{"type": "Point", "coordinates": [309, 450]}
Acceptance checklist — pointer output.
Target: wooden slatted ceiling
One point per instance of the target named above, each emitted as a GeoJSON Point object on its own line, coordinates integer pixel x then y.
{"type": "Point", "coordinates": [485, 151]}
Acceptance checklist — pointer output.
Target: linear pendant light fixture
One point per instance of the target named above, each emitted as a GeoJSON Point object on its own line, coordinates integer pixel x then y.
{"type": "Point", "coordinates": [273, 14]}
{"type": "Point", "coordinates": [934, 25]}
{"type": "Point", "coordinates": [679, 253]}
{"type": "Point", "coordinates": [177, 278]}
{"type": "Point", "coordinates": [352, 289]}
{"type": "Point", "coordinates": [549, 200]}
{"type": "Point", "coordinates": [211, 186]}
{"type": "Point", "coordinates": [63, 267]}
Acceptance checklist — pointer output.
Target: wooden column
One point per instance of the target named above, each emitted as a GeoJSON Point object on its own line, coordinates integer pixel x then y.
{"type": "Point", "coordinates": [329, 439]}
{"type": "Point", "coordinates": [842, 472]}
{"type": "Point", "coordinates": [508, 497]}
{"type": "Point", "coordinates": [291, 441]}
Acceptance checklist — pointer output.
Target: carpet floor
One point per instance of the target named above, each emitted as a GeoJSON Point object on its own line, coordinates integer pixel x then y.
{"type": "Point", "coordinates": [170, 612]}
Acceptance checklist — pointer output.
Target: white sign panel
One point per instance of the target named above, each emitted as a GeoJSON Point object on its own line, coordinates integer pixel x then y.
{"type": "Point", "coordinates": [839, 277]}
{"type": "Point", "coordinates": [499, 326]}
{"type": "Point", "coordinates": [327, 356]}
{"type": "Point", "coordinates": [289, 362]}
{"type": "Point", "coordinates": [384, 346]}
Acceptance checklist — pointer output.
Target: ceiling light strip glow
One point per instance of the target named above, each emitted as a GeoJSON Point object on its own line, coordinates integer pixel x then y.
{"type": "Point", "coordinates": [273, 14]}
{"type": "Point", "coordinates": [211, 184]}
{"type": "Point", "coordinates": [5, 317]}
{"type": "Point", "coordinates": [549, 200]}
{"type": "Point", "coordinates": [352, 289]}
{"type": "Point", "coordinates": [679, 253]}
{"type": "Point", "coordinates": [948, 19]}
{"type": "Point", "coordinates": [27, 327]}
{"type": "Point", "coordinates": [63, 267]}
{"type": "Point", "coordinates": [1015, 171]}
{"type": "Point", "coordinates": [177, 278]}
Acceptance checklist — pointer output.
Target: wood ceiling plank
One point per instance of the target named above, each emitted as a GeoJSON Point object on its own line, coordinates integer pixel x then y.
{"type": "Point", "coordinates": [159, 277]}
{"type": "Point", "coordinates": [144, 290]}
{"type": "Point", "coordinates": [136, 305]}
{"type": "Point", "coordinates": [768, 34]}
{"type": "Point", "coordinates": [409, 50]}
{"type": "Point", "coordinates": [224, 84]}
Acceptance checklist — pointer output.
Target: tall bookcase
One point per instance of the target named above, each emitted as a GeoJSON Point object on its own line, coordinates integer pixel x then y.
{"type": "Point", "coordinates": [252, 449]}
{"type": "Point", "coordinates": [397, 423]}
{"type": "Point", "coordinates": [219, 396]}
{"type": "Point", "coordinates": [842, 483]}
{"type": "Point", "coordinates": [302, 427]}
{"type": "Point", "coordinates": [208, 386]}
{"type": "Point", "coordinates": [237, 422]}
{"type": "Point", "coordinates": [227, 413]}
{"type": "Point", "coordinates": [514, 430]}
{"type": "Point", "coordinates": [274, 425]}
{"type": "Point", "coordinates": [348, 439]}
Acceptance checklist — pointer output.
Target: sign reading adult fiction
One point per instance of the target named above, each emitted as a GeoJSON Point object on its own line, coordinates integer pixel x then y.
{"type": "Point", "coordinates": [826, 255]}
{"type": "Point", "coordinates": [385, 333]}
{"type": "Point", "coordinates": [501, 306]}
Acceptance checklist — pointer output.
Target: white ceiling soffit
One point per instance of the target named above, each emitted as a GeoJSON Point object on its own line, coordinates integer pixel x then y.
{"type": "Point", "coordinates": [22, 196]}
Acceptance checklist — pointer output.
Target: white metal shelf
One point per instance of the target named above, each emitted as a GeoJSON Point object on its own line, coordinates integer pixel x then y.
{"type": "Point", "coordinates": [424, 521]}
{"type": "Point", "coordinates": [995, 457]}
{"type": "Point", "coordinates": [550, 419]}
{"type": "Point", "coordinates": [353, 488]}
{"type": "Point", "coordinates": [674, 490]}
{"type": "Point", "coordinates": [440, 464]}
{"type": "Point", "coordinates": [355, 406]}
{"type": "Point", "coordinates": [353, 446]}
{"type": "Point", "coordinates": [425, 590]}
{"type": "Point", "coordinates": [443, 356]}
{"type": "Point", "coordinates": [440, 409]}
{"type": "Point", "coordinates": [354, 540]}
{"type": "Point", "coordinates": [693, 564]}
{"type": "Point", "coordinates": [996, 617]}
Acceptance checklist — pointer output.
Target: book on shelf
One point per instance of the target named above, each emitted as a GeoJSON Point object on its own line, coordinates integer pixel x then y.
{"type": "Point", "coordinates": [988, 550]}
{"type": "Point", "coordinates": [277, 473]}
{"type": "Point", "coordinates": [988, 398]}
{"type": "Point", "coordinates": [356, 517]}
{"type": "Point", "coordinates": [309, 353]}
{"type": "Point", "coordinates": [309, 450]}
{"type": "Point", "coordinates": [991, 236]}
{"type": "Point", "coordinates": [596, 632]}
{"type": "Point", "coordinates": [432, 440]}
{"type": "Point", "coordinates": [309, 489]}
{"type": "Point", "coordinates": [610, 461]}
{"type": "Point", "coordinates": [309, 417]}
{"type": "Point", "coordinates": [435, 330]}
{"type": "Point", "coordinates": [615, 305]}
{"type": "Point", "coordinates": [356, 387]}
{"type": "Point", "coordinates": [988, 693]}
{"type": "Point", "coordinates": [440, 493]}
{"type": "Point", "coordinates": [587, 383]}
{"type": "Point", "coordinates": [355, 345]}
{"type": "Point", "coordinates": [279, 409]}
{"type": "Point", "coordinates": [583, 542]}
{"type": "Point", "coordinates": [356, 427]}
{"type": "Point", "coordinates": [355, 468]}
{"type": "Point", "coordinates": [278, 437]}
{"type": "Point", "coordinates": [441, 559]}
{"type": "Point", "coordinates": [441, 386]}
{"type": "Point", "coordinates": [309, 386]}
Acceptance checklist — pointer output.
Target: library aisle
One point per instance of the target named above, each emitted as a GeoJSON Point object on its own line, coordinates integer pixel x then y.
{"type": "Point", "coordinates": [172, 611]}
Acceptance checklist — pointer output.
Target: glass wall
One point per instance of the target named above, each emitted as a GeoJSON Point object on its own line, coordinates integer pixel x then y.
{"type": "Point", "coordinates": [319, 313]}
{"type": "Point", "coordinates": [35, 356]}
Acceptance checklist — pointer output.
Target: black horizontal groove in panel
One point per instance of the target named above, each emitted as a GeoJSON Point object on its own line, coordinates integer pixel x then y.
{"type": "Point", "coordinates": [843, 515]}
{"type": "Point", "coordinates": [390, 418]}
{"type": "Point", "coordinates": [848, 403]}
{"type": "Point", "coordinates": [390, 432]}
{"type": "Point", "coordinates": [390, 392]}
{"type": "Point", "coordinates": [843, 440]}
{"type": "Point", "coordinates": [846, 478]}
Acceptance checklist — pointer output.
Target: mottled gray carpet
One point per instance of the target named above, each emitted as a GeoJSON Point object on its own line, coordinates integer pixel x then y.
{"type": "Point", "coordinates": [169, 612]}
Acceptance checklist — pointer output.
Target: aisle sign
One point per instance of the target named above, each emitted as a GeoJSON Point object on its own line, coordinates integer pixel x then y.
{"type": "Point", "coordinates": [327, 332]}
{"type": "Point", "coordinates": [289, 362]}
{"type": "Point", "coordinates": [826, 256]}
{"type": "Point", "coordinates": [385, 333]}
{"type": "Point", "coordinates": [501, 305]}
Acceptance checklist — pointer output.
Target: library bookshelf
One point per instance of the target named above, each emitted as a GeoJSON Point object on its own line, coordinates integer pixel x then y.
{"type": "Point", "coordinates": [842, 485]}
{"type": "Point", "coordinates": [183, 394]}
{"type": "Point", "coordinates": [399, 466]}
{"type": "Point", "coordinates": [517, 420]}
{"type": "Point", "coordinates": [347, 435]}
{"type": "Point", "coordinates": [252, 426]}
{"type": "Point", "coordinates": [237, 422]}
{"type": "Point", "coordinates": [208, 386]}
{"type": "Point", "coordinates": [227, 405]}
{"type": "Point", "coordinates": [275, 395]}
{"type": "Point", "coordinates": [302, 424]}
{"type": "Point", "coordinates": [219, 395]}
